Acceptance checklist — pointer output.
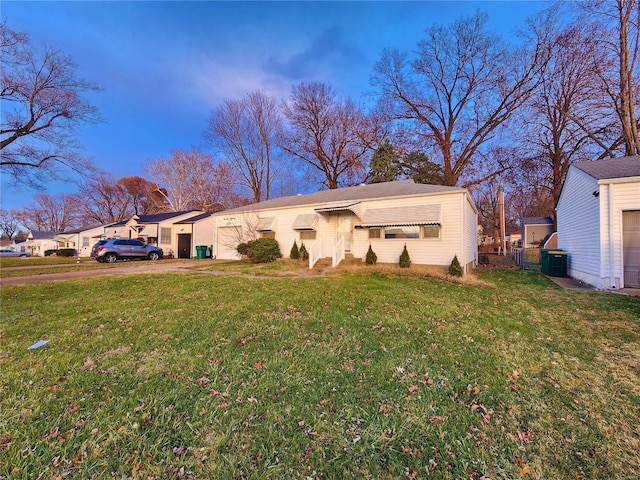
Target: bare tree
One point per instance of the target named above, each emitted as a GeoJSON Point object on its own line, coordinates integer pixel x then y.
{"type": "Point", "coordinates": [191, 180]}
{"type": "Point", "coordinates": [567, 119]}
{"type": "Point", "coordinates": [330, 136]}
{"type": "Point", "coordinates": [104, 200]}
{"type": "Point", "coordinates": [42, 104]}
{"type": "Point", "coordinates": [619, 36]}
{"type": "Point", "coordinates": [9, 223]}
{"type": "Point", "coordinates": [462, 87]}
{"type": "Point", "coordinates": [51, 213]}
{"type": "Point", "coordinates": [245, 132]}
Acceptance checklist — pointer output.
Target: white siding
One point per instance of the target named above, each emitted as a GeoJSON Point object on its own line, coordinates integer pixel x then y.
{"type": "Point", "coordinates": [203, 233]}
{"type": "Point", "coordinates": [579, 226]}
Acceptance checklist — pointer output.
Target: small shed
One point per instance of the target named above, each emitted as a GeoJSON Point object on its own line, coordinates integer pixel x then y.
{"type": "Point", "coordinates": [599, 222]}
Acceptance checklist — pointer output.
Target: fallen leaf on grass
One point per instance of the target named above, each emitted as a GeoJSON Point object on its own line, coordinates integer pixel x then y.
{"type": "Point", "coordinates": [413, 388]}
{"type": "Point", "coordinates": [179, 450]}
{"type": "Point", "coordinates": [436, 419]}
{"type": "Point", "coordinates": [385, 408]}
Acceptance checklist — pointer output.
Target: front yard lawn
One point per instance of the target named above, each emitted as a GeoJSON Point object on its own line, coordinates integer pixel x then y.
{"type": "Point", "coordinates": [356, 375]}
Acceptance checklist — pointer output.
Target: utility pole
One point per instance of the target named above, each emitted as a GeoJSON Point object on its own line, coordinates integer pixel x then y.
{"type": "Point", "coordinates": [503, 240]}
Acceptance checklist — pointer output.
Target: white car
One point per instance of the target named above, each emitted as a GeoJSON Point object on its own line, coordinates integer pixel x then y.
{"type": "Point", "coordinates": [5, 252]}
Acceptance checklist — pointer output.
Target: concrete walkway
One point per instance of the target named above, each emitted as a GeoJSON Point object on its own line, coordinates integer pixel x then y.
{"type": "Point", "coordinates": [573, 284]}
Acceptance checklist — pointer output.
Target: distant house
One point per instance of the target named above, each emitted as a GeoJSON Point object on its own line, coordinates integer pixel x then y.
{"type": "Point", "coordinates": [39, 242]}
{"type": "Point", "coordinates": [535, 230]}
{"type": "Point", "coordinates": [599, 222]}
{"type": "Point", "coordinates": [165, 231]}
{"type": "Point", "coordinates": [81, 239]}
{"type": "Point", "coordinates": [435, 223]}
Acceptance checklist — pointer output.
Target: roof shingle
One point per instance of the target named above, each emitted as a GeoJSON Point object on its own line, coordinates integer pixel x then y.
{"type": "Point", "coordinates": [611, 167]}
{"type": "Point", "coordinates": [398, 188]}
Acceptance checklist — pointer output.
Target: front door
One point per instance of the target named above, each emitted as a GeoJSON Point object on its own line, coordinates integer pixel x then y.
{"type": "Point", "coordinates": [184, 245]}
{"type": "Point", "coordinates": [344, 230]}
{"type": "Point", "coordinates": [631, 248]}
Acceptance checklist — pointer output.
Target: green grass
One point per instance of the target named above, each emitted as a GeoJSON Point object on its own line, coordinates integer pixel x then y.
{"type": "Point", "coordinates": [357, 375]}
{"type": "Point", "coordinates": [8, 262]}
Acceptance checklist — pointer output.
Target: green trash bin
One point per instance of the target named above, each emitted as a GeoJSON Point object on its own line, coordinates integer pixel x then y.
{"type": "Point", "coordinates": [544, 260]}
{"type": "Point", "coordinates": [557, 263]}
{"type": "Point", "coordinates": [201, 251]}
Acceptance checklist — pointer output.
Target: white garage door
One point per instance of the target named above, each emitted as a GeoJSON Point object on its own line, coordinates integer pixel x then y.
{"type": "Point", "coordinates": [631, 248]}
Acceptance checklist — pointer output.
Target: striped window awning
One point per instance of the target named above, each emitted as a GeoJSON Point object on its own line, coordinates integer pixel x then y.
{"type": "Point", "coordinates": [306, 221]}
{"type": "Point", "coordinates": [148, 231]}
{"type": "Point", "coordinates": [340, 207]}
{"type": "Point", "coordinates": [266, 224]}
{"type": "Point", "coordinates": [402, 216]}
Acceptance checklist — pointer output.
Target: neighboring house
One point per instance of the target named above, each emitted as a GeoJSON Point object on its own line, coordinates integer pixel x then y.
{"type": "Point", "coordinates": [599, 222]}
{"type": "Point", "coordinates": [81, 239]}
{"type": "Point", "coordinates": [39, 242]}
{"type": "Point", "coordinates": [192, 232]}
{"type": "Point", "coordinates": [535, 230]}
{"type": "Point", "coordinates": [161, 230]}
{"type": "Point", "coordinates": [514, 238]}
{"type": "Point", "coordinates": [434, 222]}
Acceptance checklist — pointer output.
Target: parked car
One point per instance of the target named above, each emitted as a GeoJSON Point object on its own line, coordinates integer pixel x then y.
{"type": "Point", "coordinates": [5, 252]}
{"type": "Point", "coordinates": [111, 250]}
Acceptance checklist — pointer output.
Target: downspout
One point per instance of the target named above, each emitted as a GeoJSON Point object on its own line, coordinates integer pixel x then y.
{"type": "Point", "coordinates": [612, 277]}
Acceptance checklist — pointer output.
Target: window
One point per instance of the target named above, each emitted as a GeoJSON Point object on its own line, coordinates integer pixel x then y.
{"type": "Point", "coordinates": [412, 231]}
{"type": "Point", "coordinates": [165, 235]}
{"type": "Point", "coordinates": [431, 231]}
{"type": "Point", "coordinates": [85, 241]}
{"type": "Point", "coordinates": [374, 233]}
{"type": "Point", "coordinates": [268, 235]}
{"type": "Point", "coordinates": [307, 234]}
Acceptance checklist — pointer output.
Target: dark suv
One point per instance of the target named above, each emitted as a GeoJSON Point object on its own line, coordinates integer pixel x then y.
{"type": "Point", "coordinates": [114, 249]}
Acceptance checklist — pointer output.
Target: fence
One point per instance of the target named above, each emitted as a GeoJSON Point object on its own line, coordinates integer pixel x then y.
{"type": "Point", "coordinates": [527, 258]}
{"type": "Point", "coordinates": [315, 252]}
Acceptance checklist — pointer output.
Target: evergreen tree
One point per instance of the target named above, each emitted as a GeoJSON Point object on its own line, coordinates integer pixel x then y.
{"type": "Point", "coordinates": [385, 164]}
{"type": "Point", "coordinates": [405, 261]}
{"type": "Point", "coordinates": [304, 255]}
{"type": "Point", "coordinates": [295, 253]}
{"type": "Point", "coordinates": [416, 165]}
{"type": "Point", "coordinates": [455, 268]}
{"type": "Point", "coordinates": [371, 258]}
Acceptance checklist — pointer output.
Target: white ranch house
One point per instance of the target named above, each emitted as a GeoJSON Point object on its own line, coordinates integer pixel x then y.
{"type": "Point", "coordinates": [434, 222]}
{"type": "Point", "coordinates": [599, 222]}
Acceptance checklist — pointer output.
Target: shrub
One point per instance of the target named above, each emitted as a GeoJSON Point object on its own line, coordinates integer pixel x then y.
{"type": "Point", "coordinates": [263, 250]}
{"type": "Point", "coordinates": [66, 252]}
{"type": "Point", "coordinates": [455, 268]}
{"type": "Point", "coordinates": [405, 261]}
{"type": "Point", "coordinates": [48, 253]}
{"type": "Point", "coordinates": [295, 253]}
{"type": "Point", "coordinates": [304, 255]}
{"type": "Point", "coordinates": [243, 248]}
{"type": "Point", "coordinates": [371, 258]}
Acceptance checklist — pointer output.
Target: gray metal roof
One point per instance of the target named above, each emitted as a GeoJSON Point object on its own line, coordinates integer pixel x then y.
{"type": "Point", "coordinates": [195, 219]}
{"type": "Point", "coordinates": [537, 221]}
{"type": "Point", "coordinates": [400, 188]}
{"type": "Point", "coordinates": [611, 167]}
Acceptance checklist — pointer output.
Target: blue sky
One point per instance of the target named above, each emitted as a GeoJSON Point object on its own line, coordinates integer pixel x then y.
{"type": "Point", "coordinates": [163, 66]}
